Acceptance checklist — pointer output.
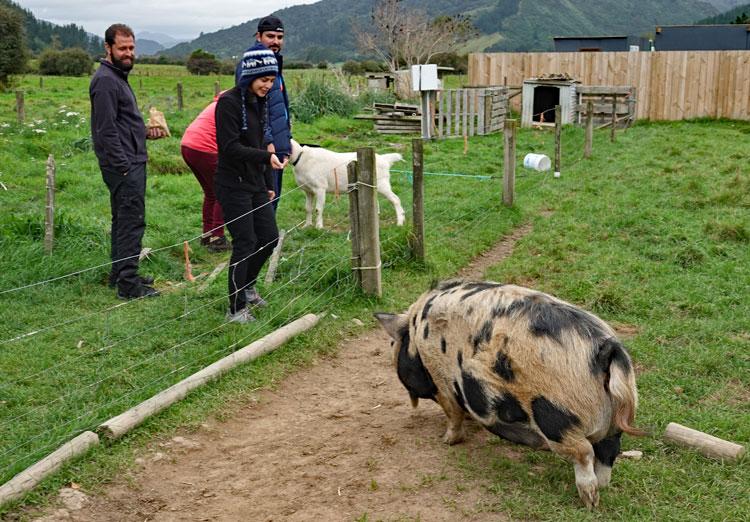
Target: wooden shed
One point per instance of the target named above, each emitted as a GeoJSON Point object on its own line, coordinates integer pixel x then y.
{"type": "Point", "coordinates": [540, 95]}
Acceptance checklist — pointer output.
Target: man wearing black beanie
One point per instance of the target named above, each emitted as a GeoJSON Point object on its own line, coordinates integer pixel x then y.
{"type": "Point", "coordinates": [278, 134]}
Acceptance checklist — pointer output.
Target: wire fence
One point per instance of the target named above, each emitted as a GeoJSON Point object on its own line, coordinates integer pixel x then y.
{"type": "Point", "coordinates": [44, 402]}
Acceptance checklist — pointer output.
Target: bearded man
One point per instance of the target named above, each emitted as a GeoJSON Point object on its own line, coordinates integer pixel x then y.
{"type": "Point", "coordinates": [119, 136]}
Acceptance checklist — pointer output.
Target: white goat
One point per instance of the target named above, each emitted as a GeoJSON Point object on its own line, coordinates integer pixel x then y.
{"type": "Point", "coordinates": [318, 170]}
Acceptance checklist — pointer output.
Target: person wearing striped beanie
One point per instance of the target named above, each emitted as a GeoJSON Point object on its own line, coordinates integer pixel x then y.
{"type": "Point", "coordinates": [243, 182]}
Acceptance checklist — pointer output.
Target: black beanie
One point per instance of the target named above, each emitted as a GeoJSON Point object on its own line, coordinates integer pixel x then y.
{"type": "Point", "coordinates": [270, 23]}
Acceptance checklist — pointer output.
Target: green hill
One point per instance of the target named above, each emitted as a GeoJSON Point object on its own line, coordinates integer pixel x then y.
{"type": "Point", "coordinates": [323, 30]}
{"type": "Point", "coordinates": [730, 17]}
{"type": "Point", "coordinates": [41, 34]}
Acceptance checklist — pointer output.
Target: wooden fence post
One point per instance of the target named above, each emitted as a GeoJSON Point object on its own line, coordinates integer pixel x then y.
{"type": "Point", "coordinates": [417, 240]}
{"type": "Point", "coordinates": [20, 109]}
{"type": "Point", "coordinates": [351, 170]}
{"type": "Point", "coordinates": [558, 138]}
{"type": "Point", "coordinates": [49, 214]}
{"type": "Point", "coordinates": [140, 83]}
{"type": "Point", "coordinates": [217, 88]}
{"type": "Point", "coordinates": [589, 129]}
{"type": "Point", "coordinates": [41, 82]}
{"type": "Point", "coordinates": [275, 255]}
{"type": "Point", "coordinates": [614, 118]}
{"type": "Point", "coordinates": [509, 164]}
{"type": "Point", "coordinates": [369, 234]}
{"type": "Point", "coordinates": [179, 96]}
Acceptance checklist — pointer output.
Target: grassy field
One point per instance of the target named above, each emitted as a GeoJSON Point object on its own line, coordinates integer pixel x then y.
{"type": "Point", "coordinates": [652, 234]}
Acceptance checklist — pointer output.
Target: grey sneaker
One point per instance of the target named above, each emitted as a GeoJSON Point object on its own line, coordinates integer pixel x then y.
{"type": "Point", "coordinates": [240, 316]}
{"type": "Point", "coordinates": [254, 299]}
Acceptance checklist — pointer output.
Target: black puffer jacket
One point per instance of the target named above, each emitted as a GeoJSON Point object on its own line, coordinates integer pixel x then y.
{"type": "Point", "coordinates": [244, 163]}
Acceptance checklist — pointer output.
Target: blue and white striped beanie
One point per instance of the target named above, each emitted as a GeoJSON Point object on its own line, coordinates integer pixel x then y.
{"type": "Point", "coordinates": [257, 62]}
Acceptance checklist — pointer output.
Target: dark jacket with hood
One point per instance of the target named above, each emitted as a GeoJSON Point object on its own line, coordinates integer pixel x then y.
{"type": "Point", "coordinates": [242, 156]}
{"type": "Point", "coordinates": [278, 127]}
{"type": "Point", "coordinates": [117, 128]}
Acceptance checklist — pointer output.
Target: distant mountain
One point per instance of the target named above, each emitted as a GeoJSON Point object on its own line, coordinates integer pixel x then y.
{"type": "Point", "coordinates": [728, 17]}
{"type": "Point", "coordinates": [41, 34]}
{"type": "Point", "coordinates": [145, 47]}
{"type": "Point", "coordinates": [164, 39]}
{"type": "Point", "coordinates": [323, 30]}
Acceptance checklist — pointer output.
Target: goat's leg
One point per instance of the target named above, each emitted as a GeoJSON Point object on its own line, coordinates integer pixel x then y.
{"type": "Point", "coordinates": [320, 202]}
{"type": "Point", "coordinates": [385, 189]}
{"type": "Point", "coordinates": [308, 208]}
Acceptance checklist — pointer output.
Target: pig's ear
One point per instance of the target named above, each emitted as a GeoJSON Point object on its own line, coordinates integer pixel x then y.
{"type": "Point", "coordinates": [393, 323]}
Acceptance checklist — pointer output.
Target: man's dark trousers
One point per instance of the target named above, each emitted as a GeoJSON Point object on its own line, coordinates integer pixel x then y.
{"type": "Point", "coordinates": [127, 197]}
{"type": "Point", "coordinates": [277, 173]}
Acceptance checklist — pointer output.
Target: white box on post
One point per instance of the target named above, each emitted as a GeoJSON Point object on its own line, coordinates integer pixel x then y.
{"type": "Point", "coordinates": [424, 78]}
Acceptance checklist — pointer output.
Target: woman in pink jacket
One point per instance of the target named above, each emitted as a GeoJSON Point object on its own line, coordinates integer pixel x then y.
{"type": "Point", "coordinates": [199, 150]}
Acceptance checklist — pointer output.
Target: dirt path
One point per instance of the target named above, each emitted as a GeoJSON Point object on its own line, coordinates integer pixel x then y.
{"type": "Point", "coordinates": [333, 442]}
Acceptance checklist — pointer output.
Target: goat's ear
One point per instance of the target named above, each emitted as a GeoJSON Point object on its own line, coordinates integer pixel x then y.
{"type": "Point", "coordinates": [392, 323]}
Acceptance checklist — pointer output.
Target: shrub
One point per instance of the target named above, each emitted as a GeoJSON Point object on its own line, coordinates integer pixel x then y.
{"type": "Point", "coordinates": [227, 68]}
{"type": "Point", "coordinates": [318, 99]}
{"type": "Point", "coordinates": [13, 52]}
{"type": "Point", "coordinates": [297, 65]}
{"type": "Point", "coordinates": [322, 65]}
{"type": "Point", "coordinates": [66, 62]}
{"type": "Point", "coordinates": [203, 63]}
{"type": "Point", "coordinates": [352, 67]}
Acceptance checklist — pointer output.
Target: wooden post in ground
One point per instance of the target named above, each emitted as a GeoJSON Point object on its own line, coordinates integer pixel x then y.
{"type": "Point", "coordinates": [20, 109]}
{"type": "Point", "coordinates": [140, 83]}
{"type": "Point", "coordinates": [589, 129]}
{"type": "Point", "coordinates": [614, 118]}
{"type": "Point", "coordinates": [351, 170]}
{"type": "Point", "coordinates": [369, 225]}
{"type": "Point", "coordinates": [706, 444]}
{"type": "Point", "coordinates": [217, 88]}
{"type": "Point", "coordinates": [179, 96]}
{"type": "Point", "coordinates": [509, 163]}
{"type": "Point", "coordinates": [30, 477]}
{"type": "Point", "coordinates": [558, 139]}
{"type": "Point", "coordinates": [41, 82]}
{"type": "Point", "coordinates": [49, 210]}
{"type": "Point", "coordinates": [417, 240]}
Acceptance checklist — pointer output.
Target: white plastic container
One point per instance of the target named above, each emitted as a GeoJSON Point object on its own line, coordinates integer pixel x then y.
{"type": "Point", "coordinates": [538, 162]}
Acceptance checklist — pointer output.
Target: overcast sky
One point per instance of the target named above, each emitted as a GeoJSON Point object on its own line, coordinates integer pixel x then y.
{"type": "Point", "coordinates": [183, 19]}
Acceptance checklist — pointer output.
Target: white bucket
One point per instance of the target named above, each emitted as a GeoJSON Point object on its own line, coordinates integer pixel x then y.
{"type": "Point", "coordinates": [538, 162]}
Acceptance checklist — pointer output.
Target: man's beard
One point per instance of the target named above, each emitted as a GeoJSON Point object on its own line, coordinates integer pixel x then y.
{"type": "Point", "coordinates": [123, 66]}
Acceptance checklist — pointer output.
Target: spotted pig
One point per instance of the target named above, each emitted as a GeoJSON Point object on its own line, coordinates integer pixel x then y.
{"type": "Point", "coordinates": [529, 367]}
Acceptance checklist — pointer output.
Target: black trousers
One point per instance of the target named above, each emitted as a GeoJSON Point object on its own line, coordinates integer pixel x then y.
{"type": "Point", "coordinates": [127, 198]}
{"type": "Point", "coordinates": [254, 236]}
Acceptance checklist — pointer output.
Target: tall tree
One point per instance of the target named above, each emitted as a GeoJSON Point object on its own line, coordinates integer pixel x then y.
{"type": "Point", "coordinates": [400, 36]}
{"type": "Point", "coordinates": [13, 51]}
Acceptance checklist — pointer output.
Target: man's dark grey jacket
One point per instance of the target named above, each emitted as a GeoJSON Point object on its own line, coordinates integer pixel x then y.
{"type": "Point", "coordinates": [117, 127]}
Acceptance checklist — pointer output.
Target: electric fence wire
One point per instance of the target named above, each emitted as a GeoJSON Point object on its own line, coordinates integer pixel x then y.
{"type": "Point", "coordinates": [134, 366]}
{"type": "Point", "coordinates": [84, 270]}
{"type": "Point", "coordinates": [121, 398]}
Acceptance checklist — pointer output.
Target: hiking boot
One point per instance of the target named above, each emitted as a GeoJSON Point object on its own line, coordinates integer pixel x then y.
{"type": "Point", "coordinates": [253, 298]}
{"type": "Point", "coordinates": [137, 292]}
{"type": "Point", "coordinates": [240, 316]}
{"type": "Point", "coordinates": [145, 280]}
{"type": "Point", "coordinates": [218, 244]}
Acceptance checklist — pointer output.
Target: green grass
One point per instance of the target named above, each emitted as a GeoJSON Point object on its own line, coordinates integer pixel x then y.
{"type": "Point", "coordinates": [653, 232]}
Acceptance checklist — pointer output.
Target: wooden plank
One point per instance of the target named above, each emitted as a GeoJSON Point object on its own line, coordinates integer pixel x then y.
{"type": "Point", "coordinates": [603, 89]}
{"type": "Point", "coordinates": [441, 112]}
{"type": "Point", "coordinates": [456, 112]}
{"type": "Point", "coordinates": [482, 98]}
{"type": "Point", "coordinates": [472, 110]}
{"type": "Point", "coordinates": [465, 103]}
{"type": "Point", "coordinates": [448, 112]}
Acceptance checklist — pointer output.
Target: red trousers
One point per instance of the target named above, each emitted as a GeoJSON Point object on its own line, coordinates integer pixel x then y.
{"type": "Point", "coordinates": [203, 165]}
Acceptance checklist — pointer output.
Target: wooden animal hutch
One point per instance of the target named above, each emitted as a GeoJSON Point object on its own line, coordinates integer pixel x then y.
{"type": "Point", "coordinates": [540, 95]}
